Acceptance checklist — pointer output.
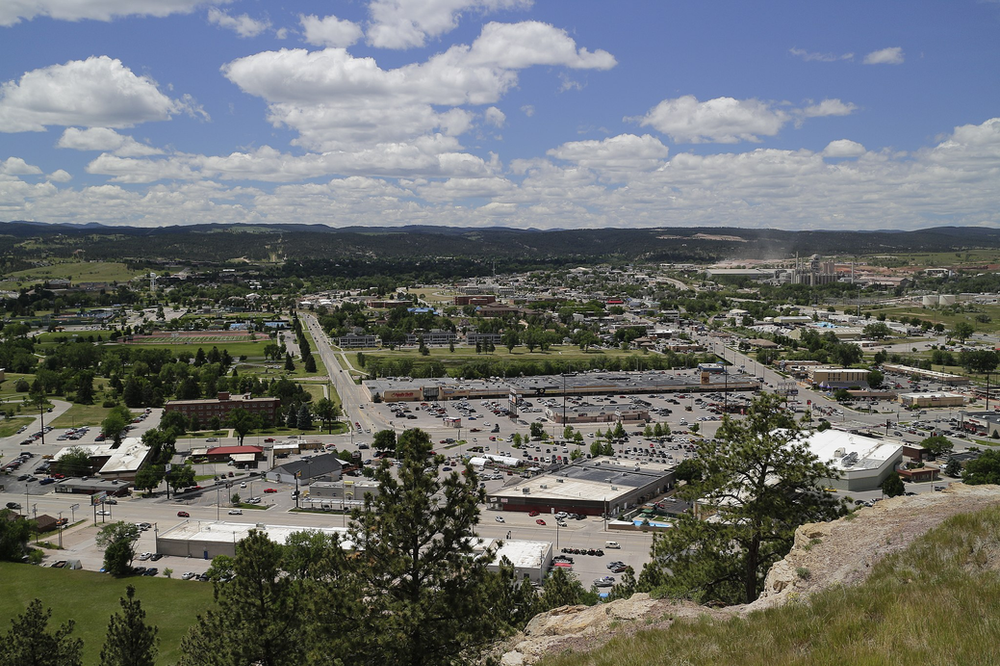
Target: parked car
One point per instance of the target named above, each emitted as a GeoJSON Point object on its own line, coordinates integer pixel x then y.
{"type": "Point", "coordinates": [539, 522]}
{"type": "Point", "coordinates": [270, 490]}
{"type": "Point", "coordinates": [500, 519]}
{"type": "Point", "coordinates": [236, 512]}
{"type": "Point", "coordinates": [183, 514]}
{"type": "Point", "coordinates": [532, 513]}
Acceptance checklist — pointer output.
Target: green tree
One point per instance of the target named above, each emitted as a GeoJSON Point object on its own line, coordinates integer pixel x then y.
{"type": "Point", "coordinates": [149, 477]}
{"type": "Point", "coordinates": [875, 379]}
{"type": "Point", "coordinates": [242, 422]}
{"type": "Point", "coordinates": [423, 583]}
{"type": "Point", "coordinates": [113, 425]}
{"type": "Point", "coordinates": [15, 533]}
{"type": "Point", "coordinates": [327, 412]}
{"type": "Point", "coordinates": [289, 363]}
{"type": "Point", "coordinates": [510, 338]}
{"type": "Point", "coordinates": [85, 388]}
{"type": "Point", "coordinates": [876, 331]}
{"type": "Point", "coordinates": [181, 477]}
{"type": "Point", "coordinates": [962, 330]}
{"type": "Point", "coordinates": [74, 462]}
{"type": "Point", "coordinates": [536, 429]}
{"type": "Point", "coordinates": [310, 364]}
{"type": "Point", "coordinates": [118, 540]}
{"type": "Point", "coordinates": [258, 617]}
{"type": "Point", "coordinates": [385, 441]}
{"type": "Point", "coordinates": [129, 640]}
{"type": "Point", "coordinates": [304, 419]}
{"type": "Point", "coordinates": [953, 468]}
{"type": "Point", "coordinates": [762, 482]}
{"type": "Point", "coordinates": [689, 470]}
{"type": "Point", "coordinates": [937, 445]}
{"type": "Point", "coordinates": [29, 643]}
{"type": "Point", "coordinates": [893, 485]}
{"type": "Point", "coordinates": [560, 588]}
{"type": "Point", "coordinates": [515, 600]}
{"type": "Point", "coordinates": [983, 470]}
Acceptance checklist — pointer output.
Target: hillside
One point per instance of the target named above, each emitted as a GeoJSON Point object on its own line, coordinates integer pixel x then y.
{"type": "Point", "coordinates": [912, 580]}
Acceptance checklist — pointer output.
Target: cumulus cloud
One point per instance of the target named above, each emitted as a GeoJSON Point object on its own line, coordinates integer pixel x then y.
{"type": "Point", "coordinates": [820, 57]}
{"type": "Point", "coordinates": [844, 148]}
{"type": "Point", "coordinates": [828, 107]}
{"type": "Point", "coordinates": [59, 176]}
{"type": "Point", "coordinates": [75, 10]}
{"type": "Point", "coordinates": [337, 101]}
{"type": "Point", "coordinates": [495, 117]}
{"type": "Point", "coordinates": [96, 92]}
{"type": "Point", "coordinates": [15, 166]}
{"type": "Point", "coordinates": [622, 154]}
{"type": "Point", "coordinates": [890, 56]}
{"type": "Point", "coordinates": [105, 139]}
{"type": "Point", "coordinates": [401, 24]}
{"type": "Point", "coordinates": [242, 25]}
{"type": "Point", "coordinates": [719, 120]}
{"type": "Point", "coordinates": [329, 31]}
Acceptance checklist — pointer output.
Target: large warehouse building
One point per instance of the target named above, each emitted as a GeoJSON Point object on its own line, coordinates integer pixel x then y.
{"type": "Point", "coordinates": [863, 462]}
{"type": "Point", "coordinates": [590, 487]}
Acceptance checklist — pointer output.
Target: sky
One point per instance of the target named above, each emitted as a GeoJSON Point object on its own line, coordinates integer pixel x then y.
{"type": "Point", "coordinates": [514, 113]}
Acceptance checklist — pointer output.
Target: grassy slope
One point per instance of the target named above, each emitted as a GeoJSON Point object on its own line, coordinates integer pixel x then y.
{"type": "Point", "coordinates": [90, 598]}
{"type": "Point", "coordinates": [938, 602]}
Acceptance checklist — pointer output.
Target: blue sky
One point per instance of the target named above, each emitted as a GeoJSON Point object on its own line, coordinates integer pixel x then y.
{"type": "Point", "coordinates": [797, 115]}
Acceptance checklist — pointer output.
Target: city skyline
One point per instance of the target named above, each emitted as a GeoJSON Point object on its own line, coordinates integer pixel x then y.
{"type": "Point", "coordinates": [479, 113]}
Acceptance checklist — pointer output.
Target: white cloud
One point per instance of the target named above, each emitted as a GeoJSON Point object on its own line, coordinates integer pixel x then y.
{"type": "Point", "coordinates": [15, 166]}
{"type": "Point", "coordinates": [105, 140]}
{"type": "Point", "coordinates": [242, 25]}
{"type": "Point", "coordinates": [622, 154]}
{"type": "Point", "coordinates": [890, 56]}
{"type": "Point", "coordinates": [401, 24]}
{"type": "Point", "coordinates": [495, 117]}
{"type": "Point", "coordinates": [105, 10]}
{"type": "Point", "coordinates": [337, 101]}
{"type": "Point", "coordinates": [821, 57]}
{"type": "Point", "coordinates": [844, 148]}
{"type": "Point", "coordinates": [719, 120]}
{"type": "Point", "coordinates": [329, 31]}
{"type": "Point", "coordinates": [828, 107]}
{"type": "Point", "coordinates": [528, 110]}
{"type": "Point", "coordinates": [60, 176]}
{"type": "Point", "coordinates": [96, 92]}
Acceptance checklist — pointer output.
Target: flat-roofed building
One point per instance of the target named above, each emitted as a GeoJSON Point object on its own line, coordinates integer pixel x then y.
{"type": "Point", "coordinates": [110, 463]}
{"type": "Point", "coordinates": [531, 559]}
{"type": "Point", "coordinates": [933, 375]}
{"type": "Point", "coordinates": [590, 487]}
{"type": "Point", "coordinates": [223, 405]}
{"type": "Point", "coordinates": [931, 399]}
{"type": "Point", "coordinates": [863, 462]}
{"type": "Point", "coordinates": [206, 539]}
{"type": "Point", "coordinates": [827, 377]}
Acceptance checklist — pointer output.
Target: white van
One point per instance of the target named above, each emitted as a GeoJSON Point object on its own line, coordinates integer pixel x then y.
{"type": "Point", "coordinates": [612, 544]}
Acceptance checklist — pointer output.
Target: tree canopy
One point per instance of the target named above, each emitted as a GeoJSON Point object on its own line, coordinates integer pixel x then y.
{"type": "Point", "coordinates": [761, 482]}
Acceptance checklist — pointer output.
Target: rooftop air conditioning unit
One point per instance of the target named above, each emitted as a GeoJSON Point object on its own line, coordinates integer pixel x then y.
{"type": "Point", "coordinates": [525, 490]}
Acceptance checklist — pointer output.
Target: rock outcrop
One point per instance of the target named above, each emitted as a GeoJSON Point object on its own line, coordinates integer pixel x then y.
{"type": "Point", "coordinates": [841, 552]}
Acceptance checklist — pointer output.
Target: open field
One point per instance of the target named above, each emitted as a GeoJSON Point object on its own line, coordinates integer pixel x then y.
{"type": "Point", "coordinates": [80, 415]}
{"type": "Point", "coordinates": [90, 598]}
{"type": "Point", "coordinates": [9, 426]}
{"type": "Point", "coordinates": [562, 353]}
{"type": "Point", "coordinates": [946, 316]}
{"type": "Point", "coordinates": [75, 271]}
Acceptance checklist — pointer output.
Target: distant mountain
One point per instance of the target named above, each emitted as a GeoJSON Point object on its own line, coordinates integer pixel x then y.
{"type": "Point", "coordinates": [220, 243]}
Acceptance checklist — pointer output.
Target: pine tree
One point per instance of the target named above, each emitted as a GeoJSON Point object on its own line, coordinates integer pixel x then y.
{"type": "Point", "coordinates": [292, 419]}
{"type": "Point", "coordinates": [304, 418]}
{"type": "Point", "coordinates": [130, 641]}
{"type": "Point", "coordinates": [289, 363]}
{"type": "Point", "coordinates": [28, 643]}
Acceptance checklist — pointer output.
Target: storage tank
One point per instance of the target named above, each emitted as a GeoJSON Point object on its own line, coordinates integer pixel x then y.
{"type": "Point", "coordinates": [948, 299]}
{"type": "Point", "coordinates": [930, 301]}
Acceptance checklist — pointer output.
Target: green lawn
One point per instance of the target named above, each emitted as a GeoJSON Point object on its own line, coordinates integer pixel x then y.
{"type": "Point", "coordinates": [566, 353]}
{"type": "Point", "coordinates": [89, 598]}
{"type": "Point", "coordinates": [76, 271]}
{"type": "Point", "coordinates": [10, 426]}
{"type": "Point", "coordinates": [78, 415]}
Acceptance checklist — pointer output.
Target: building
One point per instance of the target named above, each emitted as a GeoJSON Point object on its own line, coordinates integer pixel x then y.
{"type": "Point", "coordinates": [208, 539]}
{"type": "Point", "coordinates": [863, 462]}
{"type": "Point", "coordinates": [221, 406]}
{"type": "Point", "coordinates": [109, 463]}
{"type": "Point", "coordinates": [358, 341]}
{"type": "Point", "coordinates": [475, 299]}
{"type": "Point", "coordinates": [627, 413]}
{"type": "Point", "coordinates": [243, 456]}
{"type": "Point", "coordinates": [827, 377]}
{"type": "Point", "coordinates": [324, 467]}
{"type": "Point", "coordinates": [343, 493]}
{"type": "Point", "coordinates": [531, 559]}
{"type": "Point", "coordinates": [933, 375]}
{"type": "Point", "coordinates": [601, 486]}
{"type": "Point", "coordinates": [912, 400]}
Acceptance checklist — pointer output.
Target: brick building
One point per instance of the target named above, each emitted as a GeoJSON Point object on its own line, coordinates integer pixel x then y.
{"type": "Point", "coordinates": [268, 408]}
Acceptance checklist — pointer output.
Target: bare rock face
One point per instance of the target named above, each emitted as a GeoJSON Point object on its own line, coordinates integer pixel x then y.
{"type": "Point", "coordinates": [824, 554]}
{"type": "Point", "coordinates": [842, 552]}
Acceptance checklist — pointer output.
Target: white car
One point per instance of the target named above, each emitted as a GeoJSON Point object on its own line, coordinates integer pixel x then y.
{"type": "Point", "coordinates": [243, 485]}
{"type": "Point", "coordinates": [145, 556]}
{"type": "Point", "coordinates": [236, 512]}
{"type": "Point", "coordinates": [188, 575]}
{"type": "Point", "coordinates": [500, 519]}
{"type": "Point", "coordinates": [103, 512]}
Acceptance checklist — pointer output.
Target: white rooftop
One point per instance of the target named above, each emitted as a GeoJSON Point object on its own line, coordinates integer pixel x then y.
{"type": "Point", "coordinates": [215, 531]}
{"type": "Point", "coordinates": [126, 458]}
{"type": "Point", "coordinates": [836, 447]}
{"type": "Point", "coordinates": [522, 554]}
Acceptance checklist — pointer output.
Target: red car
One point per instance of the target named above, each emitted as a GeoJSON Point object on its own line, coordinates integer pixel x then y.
{"type": "Point", "coordinates": [268, 440]}
{"type": "Point", "coordinates": [540, 521]}
{"type": "Point", "coordinates": [532, 513]}
{"type": "Point", "coordinates": [270, 490]}
{"type": "Point", "coordinates": [183, 514]}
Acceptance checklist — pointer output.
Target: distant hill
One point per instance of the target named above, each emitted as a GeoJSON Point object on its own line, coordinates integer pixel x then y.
{"type": "Point", "coordinates": [218, 243]}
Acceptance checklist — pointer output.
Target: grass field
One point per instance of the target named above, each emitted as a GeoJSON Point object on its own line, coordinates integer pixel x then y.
{"type": "Point", "coordinates": [946, 317]}
{"type": "Point", "coordinates": [79, 415]}
{"type": "Point", "coordinates": [90, 598]}
{"type": "Point", "coordinates": [567, 353]}
{"type": "Point", "coordinates": [75, 271]}
{"type": "Point", "coordinates": [10, 426]}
